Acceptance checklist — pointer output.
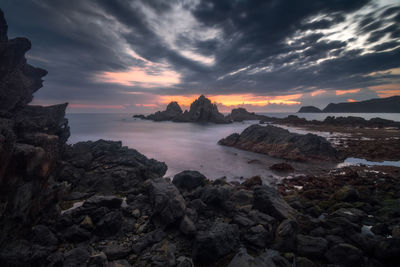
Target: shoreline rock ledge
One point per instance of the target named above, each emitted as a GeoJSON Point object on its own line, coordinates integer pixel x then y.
{"type": "Point", "coordinates": [278, 142]}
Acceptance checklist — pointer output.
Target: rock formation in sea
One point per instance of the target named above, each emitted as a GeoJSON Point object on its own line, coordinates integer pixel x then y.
{"type": "Point", "coordinates": [278, 142]}
{"type": "Point", "coordinates": [376, 105]}
{"type": "Point", "coordinates": [172, 111]}
{"type": "Point", "coordinates": [241, 114]}
{"type": "Point", "coordinates": [98, 203]}
{"type": "Point", "coordinates": [309, 109]}
{"type": "Point", "coordinates": [201, 110]}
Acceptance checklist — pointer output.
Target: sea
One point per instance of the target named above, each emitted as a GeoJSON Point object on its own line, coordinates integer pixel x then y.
{"type": "Point", "coordinates": [192, 146]}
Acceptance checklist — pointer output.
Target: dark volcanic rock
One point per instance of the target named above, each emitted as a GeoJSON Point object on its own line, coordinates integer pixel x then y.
{"type": "Point", "coordinates": [189, 180]}
{"type": "Point", "coordinates": [215, 243]}
{"type": "Point", "coordinates": [268, 200]}
{"type": "Point", "coordinates": [173, 111]}
{"type": "Point", "coordinates": [309, 109]}
{"type": "Point", "coordinates": [241, 114]}
{"type": "Point", "coordinates": [311, 246]}
{"type": "Point", "coordinates": [168, 203]}
{"type": "Point", "coordinates": [278, 142]}
{"type": "Point", "coordinates": [202, 110]}
{"type": "Point", "coordinates": [345, 254]}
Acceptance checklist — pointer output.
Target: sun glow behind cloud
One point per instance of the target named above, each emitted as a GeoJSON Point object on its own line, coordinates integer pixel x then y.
{"type": "Point", "coordinates": [344, 92]}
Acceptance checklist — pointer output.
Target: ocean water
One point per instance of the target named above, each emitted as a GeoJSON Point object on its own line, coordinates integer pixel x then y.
{"type": "Point", "coordinates": [185, 146]}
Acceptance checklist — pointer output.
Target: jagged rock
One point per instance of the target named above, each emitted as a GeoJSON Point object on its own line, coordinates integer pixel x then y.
{"type": "Point", "coordinates": [168, 203]}
{"type": "Point", "coordinates": [189, 180]}
{"type": "Point", "coordinates": [311, 246]}
{"type": "Point", "coordinates": [116, 252]}
{"type": "Point", "coordinates": [119, 263]}
{"type": "Point", "coordinates": [278, 142]}
{"type": "Point", "coordinates": [43, 236]}
{"type": "Point", "coordinates": [183, 261]}
{"type": "Point", "coordinates": [215, 243]}
{"type": "Point", "coordinates": [173, 111]}
{"type": "Point", "coordinates": [268, 200]}
{"type": "Point", "coordinates": [345, 254]}
{"type": "Point", "coordinates": [257, 236]}
{"type": "Point", "coordinates": [215, 195]}
{"type": "Point", "coordinates": [202, 110]}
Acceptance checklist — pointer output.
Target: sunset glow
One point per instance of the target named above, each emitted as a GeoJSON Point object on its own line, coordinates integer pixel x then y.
{"type": "Point", "coordinates": [236, 99]}
{"type": "Point", "coordinates": [318, 92]}
{"type": "Point", "coordinates": [145, 77]}
{"type": "Point", "coordinates": [93, 106]}
{"type": "Point", "coordinates": [344, 92]}
{"type": "Point", "coordinates": [387, 90]}
{"type": "Point", "coordinates": [351, 100]}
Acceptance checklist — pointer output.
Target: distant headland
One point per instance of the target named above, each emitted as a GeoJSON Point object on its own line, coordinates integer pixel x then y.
{"type": "Point", "coordinates": [376, 105]}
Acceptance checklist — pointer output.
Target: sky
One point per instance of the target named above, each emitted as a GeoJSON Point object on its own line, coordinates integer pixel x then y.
{"type": "Point", "coordinates": [267, 56]}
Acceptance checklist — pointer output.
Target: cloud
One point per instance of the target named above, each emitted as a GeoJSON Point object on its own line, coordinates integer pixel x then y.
{"type": "Point", "coordinates": [101, 52]}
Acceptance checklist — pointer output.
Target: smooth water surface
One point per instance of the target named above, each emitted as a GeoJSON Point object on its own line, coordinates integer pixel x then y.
{"type": "Point", "coordinates": [181, 146]}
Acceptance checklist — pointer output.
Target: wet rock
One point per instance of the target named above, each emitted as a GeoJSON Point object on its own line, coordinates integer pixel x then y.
{"type": "Point", "coordinates": [278, 142]}
{"type": "Point", "coordinates": [251, 182]}
{"type": "Point", "coordinates": [148, 239]}
{"type": "Point", "coordinates": [388, 250]}
{"type": "Point", "coordinates": [268, 258]}
{"type": "Point", "coordinates": [285, 167]}
{"type": "Point", "coordinates": [119, 263]}
{"type": "Point", "coordinates": [268, 200]}
{"type": "Point", "coordinates": [216, 195]}
{"type": "Point", "coordinates": [76, 257]}
{"type": "Point", "coordinates": [168, 203]}
{"type": "Point", "coordinates": [110, 202]}
{"type": "Point", "coordinates": [198, 205]}
{"type": "Point", "coordinates": [242, 259]}
{"type": "Point", "coordinates": [345, 254]}
{"type": "Point", "coordinates": [189, 180]}
{"type": "Point", "coordinates": [242, 220]}
{"type": "Point", "coordinates": [215, 243]}
{"type": "Point", "coordinates": [311, 246]}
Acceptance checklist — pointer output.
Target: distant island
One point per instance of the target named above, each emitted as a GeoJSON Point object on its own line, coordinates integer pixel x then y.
{"type": "Point", "coordinates": [376, 105]}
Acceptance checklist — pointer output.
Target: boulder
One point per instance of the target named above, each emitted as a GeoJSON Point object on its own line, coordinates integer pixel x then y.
{"type": "Point", "coordinates": [110, 224]}
{"type": "Point", "coordinates": [345, 254]}
{"type": "Point", "coordinates": [110, 202]}
{"type": "Point", "coordinates": [268, 200]}
{"type": "Point", "coordinates": [285, 167]}
{"type": "Point", "coordinates": [216, 242]}
{"type": "Point", "coordinates": [189, 180]}
{"type": "Point", "coordinates": [187, 226]}
{"type": "Point", "coordinates": [311, 246]}
{"type": "Point", "coordinates": [258, 236]}
{"type": "Point", "coordinates": [168, 203]}
{"type": "Point", "coordinates": [76, 257]}
{"type": "Point", "coordinates": [253, 181]}
{"type": "Point", "coordinates": [278, 142]}
{"type": "Point", "coordinates": [285, 236]}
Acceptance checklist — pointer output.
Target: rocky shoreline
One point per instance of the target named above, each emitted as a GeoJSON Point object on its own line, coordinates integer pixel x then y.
{"type": "Point", "coordinates": [102, 204]}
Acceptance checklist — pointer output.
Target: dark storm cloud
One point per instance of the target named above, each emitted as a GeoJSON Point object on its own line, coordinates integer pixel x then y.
{"type": "Point", "coordinates": [216, 46]}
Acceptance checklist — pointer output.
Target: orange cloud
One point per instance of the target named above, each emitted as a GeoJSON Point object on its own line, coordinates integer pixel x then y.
{"type": "Point", "coordinates": [351, 91]}
{"type": "Point", "coordinates": [140, 76]}
{"type": "Point", "coordinates": [96, 106]}
{"type": "Point", "coordinates": [236, 99]}
{"type": "Point", "coordinates": [147, 105]}
{"type": "Point", "coordinates": [351, 100]}
{"type": "Point", "coordinates": [318, 92]}
{"type": "Point", "coordinates": [386, 90]}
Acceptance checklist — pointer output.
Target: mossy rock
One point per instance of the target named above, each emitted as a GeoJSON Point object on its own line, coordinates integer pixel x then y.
{"type": "Point", "coordinates": [390, 208]}
{"type": "Point", "coordinates": [340, 205]}
{"type": "Point", "coordinates": [347, 194]}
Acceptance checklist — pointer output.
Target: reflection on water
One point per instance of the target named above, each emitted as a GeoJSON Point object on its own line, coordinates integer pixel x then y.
{"type": "Point", "coordinates": [181, 146]}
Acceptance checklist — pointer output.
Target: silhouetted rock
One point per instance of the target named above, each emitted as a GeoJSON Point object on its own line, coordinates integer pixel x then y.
{"type": "Point", "coordinates": [241, 114]}
{"type": "Point", "coordinates": [278, 142]}
{"type": "Point", "coordinates": [376, 105]}
{"type": "Point", "coordinates": [173, 111]}
{"type": "Point", "coordinates": [202, 110]}
{"type": "Point", "coordinates": [309, 109]}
